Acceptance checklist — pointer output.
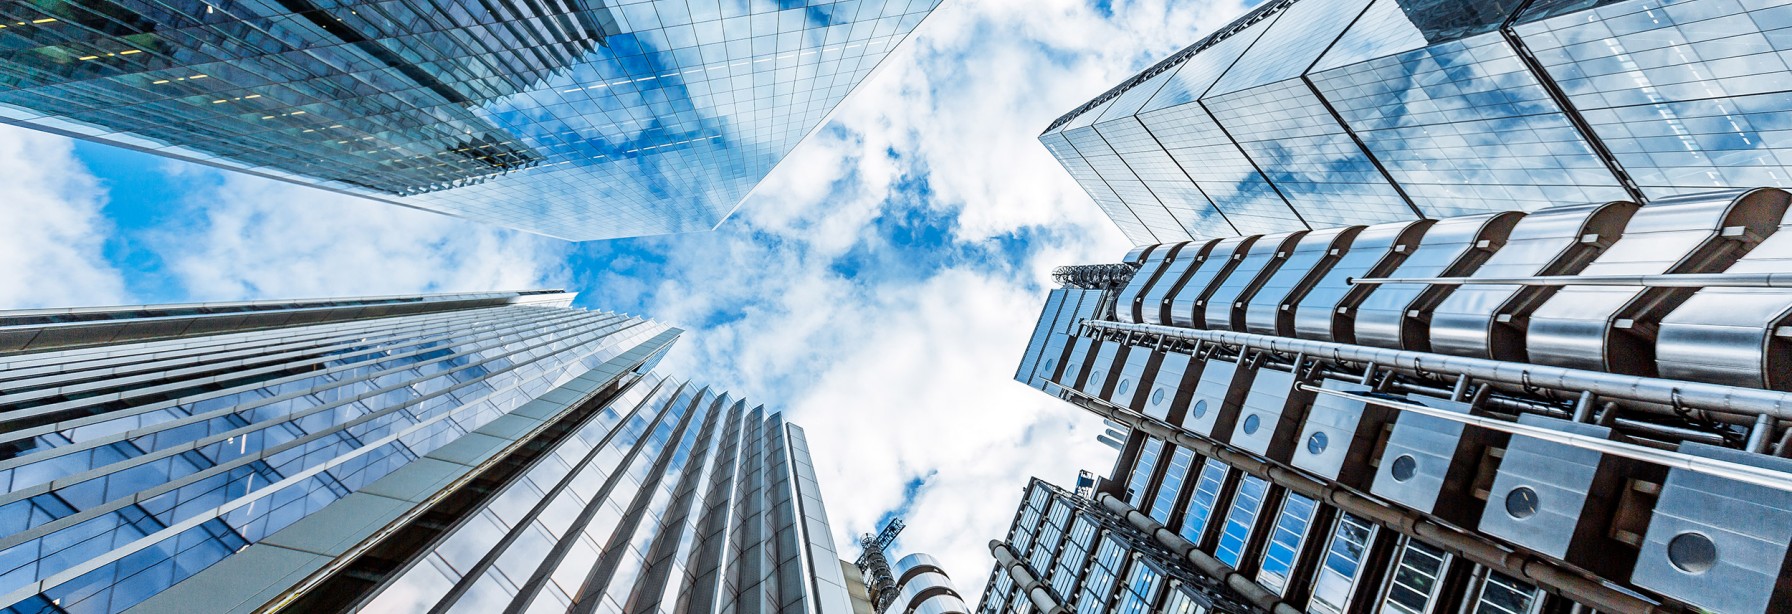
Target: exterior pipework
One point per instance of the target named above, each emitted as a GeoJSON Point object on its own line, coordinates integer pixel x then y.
{"type": "Point", "coordinates": [1747, 402]}
{"type": "Point", "coordinates": [1034, 590]}
{"type": "Point", "coordinates": [1542, 572]}
{"type": "Point", "coordinates": [1250, 590]}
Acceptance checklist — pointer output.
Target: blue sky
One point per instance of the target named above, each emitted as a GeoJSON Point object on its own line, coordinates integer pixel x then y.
{"type": "Point", "coordinates": [879, 286]}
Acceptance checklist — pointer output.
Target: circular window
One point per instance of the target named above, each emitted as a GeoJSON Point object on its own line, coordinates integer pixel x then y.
{"type": "Point", "coordinates": [1157, 397]}
{"type": "Point", "coordinates": [1095, 378]}
{"type": "Point", "coordinates": [1252, 423]}
{"type": "Point", "coordinates": [1404, 467]}
{"type": "Point", "coordinates": [1521, 503]}
{"type": "Point", "coordinates": [1692, 553]}
{"type": "Point", "coordinates": [1200, 408]}
{"type": "Point", "coordinates": [1125, 385]}
{"type": "Point", "coordinates": [1316, 443]}
{"type": "Point", "coordinates": [1049, 362]}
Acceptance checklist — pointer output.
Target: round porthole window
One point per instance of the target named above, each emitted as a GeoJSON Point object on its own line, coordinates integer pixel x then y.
{"type": "Point", "coordinates": [1095, 378]}
{"type": "Point", "coordinates": [1521, 503]}
{"type": "Point", "coordinates": [1251, 424]}
{"type": "Point", "coordinates": [1200, 408]}
{"type": "Point", "coordinates": [1404, 468]}
{"type": "Point", "coordinates": [1316, 443]}
{"type": "Point", "coordinates": [1125, 385]}
{"type": "Point", "coordinates": [1157, 397]}
{"type": "Point", "coordinates": [1692, 553]}
{"type": "Point", "coordinates": [1049, 363]}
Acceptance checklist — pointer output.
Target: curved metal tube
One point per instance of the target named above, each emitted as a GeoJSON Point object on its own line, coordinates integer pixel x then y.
{"type": "Point", "coordinates": [1031, 586]}
{"type": "Point", "coordinates": [1749, 402]}
{"type": "Point", "coordinates": [1245, 587]}
{"type": "Point", "coordinates": [1669, 280]}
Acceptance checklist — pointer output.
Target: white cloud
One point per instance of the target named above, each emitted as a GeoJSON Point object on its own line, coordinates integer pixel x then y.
{"type": "Point", "coordinates": [245, 237]}
{"type": "Point", "coordinates": [53, 240]}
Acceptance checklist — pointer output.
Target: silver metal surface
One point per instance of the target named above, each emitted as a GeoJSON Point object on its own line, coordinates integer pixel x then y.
{"type": "Point", "coordinates": [1151, 260]}
{"type": "Point", "coordinates": [1732, 335]}
{"type": "Point", "coordinates": [1399, 315]}
{"type": "Point", "coordinates": [1719, 398]}
{"type": "Point", "coordinates": [1213, 409]}
{"type": "Point", "coordinates": [1271, 415]}
{"type": "Point", "coordinates": [1429, 459]}
{"type": "Point", "coordinates": [1188, 299]}
{"type": "Point", "coordinates": [1154, 304]}
{"type": "Point", "coordinates": [1328, 312]}
{"type": "Point", "coordinates": [1747, 527]}
{"type": "Point", "coordinates": [1271, 311]}
{"type": "Point", "coordinates": [1225, 306]}
{"type": "Point", "coordinates": [1101, 369]}
{"type": "Point", "coordinates": [1340, 435]}
{"type": "Point", "coordinates": [1612, 328]}
{"type": "Point", "coordinates": [1559, 499]}
{"type": "Point", "coordinates": [1129, 386]}
{"type": "Point", "coordinates": [1488, 321]}
{"type": "Point", "coordinates": [1166, 394]}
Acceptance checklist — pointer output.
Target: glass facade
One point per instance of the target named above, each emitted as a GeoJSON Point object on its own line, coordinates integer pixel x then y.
{"type": "Point", "coordinates": [478, 453]}
{"type": "Point", "coordinates": [1311, 114]}
{"type": "Point", "coordinates": [580, 119]}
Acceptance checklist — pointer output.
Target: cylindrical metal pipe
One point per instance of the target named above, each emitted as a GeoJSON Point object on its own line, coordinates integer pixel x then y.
{"type": "Point", "coordinates": [1749, 402]}
{"type": "Point", "coordinates": [1670, 280]}
{"type": "Point", "coordinates": [1544, 573]}
{"type": "Point", "coordinates": [1035, 591]}
{"type": "Point", "coordinates": [1245, 587]}
{"type": "Point", "coordinates": [1761, 435]}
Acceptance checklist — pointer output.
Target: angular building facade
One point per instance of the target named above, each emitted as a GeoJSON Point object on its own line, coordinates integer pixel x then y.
{"type": "Point", "coordinates": [579, 119]}
{"type": "Point", "coordinates": [1581, 407]}
{"type": "Point", "coordinates": [1312, 114]}
{"type": "Point", "coordinates": [478, 452]}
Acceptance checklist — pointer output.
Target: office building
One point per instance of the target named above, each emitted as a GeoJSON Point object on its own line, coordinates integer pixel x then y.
{"type": "Point", "coordinates": [922, 587]}
{"type": "Point", "coordinates": [1314, 114]}
{"type": "Point", "coordinates": [1581, 407]}
{"type": "Point", "coordinates": [578, 119]}
{"type": "Point", "coordinates": [471, 452]}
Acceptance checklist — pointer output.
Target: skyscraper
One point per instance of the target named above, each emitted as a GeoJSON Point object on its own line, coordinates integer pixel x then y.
{"type": "Point", "coordinates": [579, 119]}
{"type": "Point", "coordinates": [1313, 114]}
{"type": "Point", "coordinates": [475, 452]}
{"type": "Point", "coordinates": [1579, 407]}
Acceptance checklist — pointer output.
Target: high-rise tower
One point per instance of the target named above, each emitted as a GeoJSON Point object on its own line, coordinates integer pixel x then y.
{"type": "Point", "coordinates": [1312, 114]}
{"type": "Point", "coordinates": [579, 119]}
{"type": "Point", "coordinates": [1582, 407]}
{"type": "Point", "coordinates": [475, 452]}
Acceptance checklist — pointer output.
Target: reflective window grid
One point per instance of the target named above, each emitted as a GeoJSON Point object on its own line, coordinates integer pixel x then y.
{"type": "Point", "coordinates": [579, 119]}
{"type": "Point", "coordinates": [477, 453]}
{"type": "Point", "coordinates": [1310, 114]}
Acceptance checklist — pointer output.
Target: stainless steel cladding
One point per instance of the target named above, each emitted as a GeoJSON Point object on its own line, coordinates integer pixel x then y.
{"type": "Point", "coordinates": [1563, 501]}
{"type": "Point", "coordinates": [1188, 303]}
{"type": "Point", "coordinates": [1734, 335]}
{"type": "Point", "coordinates": [1341, 436]}
{"type": "Point", "coordinates": [1398, 316]}
{"type": "Point", "coordinates": [1328, 311]}
{"type": "Point", "coordinates": [1151, 264]}
{"type": "Point", "coordinates": [1430, 463]}
{"type": "Point", "coordinates": [1225, 306]}
{"type": "Point", "coordinates": [1128, 390]}
{"type": "Point", "coordinates": [1168, 399]}
{"type": "Point", "coordinates": [1488, 321]}
{"type": "Point", "coordinates": [1154, 305]}
{"type": "Point", "coordinates": [1718, 544]}
{"type": "Point", "coordinates": [1612, 328]}
{"type": "Point", "coordinates": [1213, 410]}
{"type": "Point", "coordinates": [1271, 311]}
{"type": "Point", "coordinates": [1271, 415]}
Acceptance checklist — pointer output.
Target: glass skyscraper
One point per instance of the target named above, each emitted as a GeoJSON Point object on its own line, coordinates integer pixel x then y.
{"type": "Point", "coordinates": [474, 452]}
{"type": "Point", "coordinates": [579, 119]}
{"type": "Point", "coordinates": [1583, 407]}
{"type": "Point", "coordinates": [1311, 114]}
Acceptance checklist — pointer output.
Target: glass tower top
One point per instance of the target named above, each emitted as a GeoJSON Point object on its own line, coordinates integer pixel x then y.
{"type": "Point", "coordinates": [579, 119]}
